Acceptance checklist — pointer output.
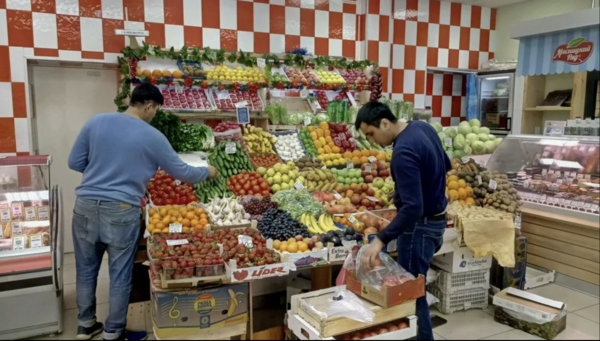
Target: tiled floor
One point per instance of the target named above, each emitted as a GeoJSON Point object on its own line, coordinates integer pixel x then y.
{"type": "Point", "coordinates": [582, 319]}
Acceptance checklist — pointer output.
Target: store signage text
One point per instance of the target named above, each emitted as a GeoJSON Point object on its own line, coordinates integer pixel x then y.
{"type": "Point", "coordinates": [577, 51]}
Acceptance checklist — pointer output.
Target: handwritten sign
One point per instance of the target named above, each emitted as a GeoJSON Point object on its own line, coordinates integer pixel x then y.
{"type": "Point", "coordinates": [177, 242]}
{"type": "Point", "coordinates": [175, 228]}
{"type": "Point", "coordinates": [230, 148]}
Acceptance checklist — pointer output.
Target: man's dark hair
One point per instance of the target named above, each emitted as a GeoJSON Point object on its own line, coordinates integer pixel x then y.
{"type": "Point", "coordinates": [372, 113]}
{"type": "Point", "coordinates": [145, 93]}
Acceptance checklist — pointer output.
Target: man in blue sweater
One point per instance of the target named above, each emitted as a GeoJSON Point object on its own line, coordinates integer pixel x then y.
{"type": "Point", "coordinates": [117, 153]}
{"type": "Point", "coordinates": [419, 165]}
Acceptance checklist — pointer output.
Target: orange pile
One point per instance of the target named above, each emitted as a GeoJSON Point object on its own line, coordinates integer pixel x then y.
{"type": "Point", "coordinates": [458, 190]}
{"type": "Point", "coordinates": [292, 246]}
{"type": "Point", "coordinates": [192, 219]}
{"type": "Point", "coordinates": [362, 156]}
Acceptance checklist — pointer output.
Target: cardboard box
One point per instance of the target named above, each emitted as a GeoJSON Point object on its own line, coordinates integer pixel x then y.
{"type": "Point", "coordinates": [548, 330]}
{"type": "Point", "coordinates": [387, 296]}
{"type": "Point", "coordinates": [191, 311]}
{"type": "Point", "coordinates": [309, 258]}
{"type": "Point", "coordinates": [461, 260]}
{"type": "Point", "coordinates": [514, 277]}
{"type": "Point", "coordinates": [529, 304]}
{"type": "Point", "coordinates": [256, 272]}
{"type": "Point", "coordinates": [296, 286]}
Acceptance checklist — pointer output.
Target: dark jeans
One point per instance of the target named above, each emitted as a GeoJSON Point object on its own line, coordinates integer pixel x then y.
{"type": "Point", "coordinates": [416, 248]}
{"type": "Point", "coordinates": [100, 227]}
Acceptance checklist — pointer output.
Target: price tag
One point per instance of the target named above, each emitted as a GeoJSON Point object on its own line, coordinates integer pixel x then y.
{"type": "Point", "coordinates": [230, 148]}
{"type": "Point", "coordinates": [479, 180]}
{"type": "Point", "coordinates": [579, 176]}
{"type": "Point", "coordinates": [350, 165]}
{"type": "Point", "coordinates": [19, 243]}
{"type": "Point", "coordinates": [352, 219]}
{"type": "Point", "coordinates": [448, 142]}
{"type": "Point", "coordinates": [17, 228]}
{"type": "Point", "coordinates": [561, 201]}
{"type": "Point", "coordinates": [35, 241]}
{"type": "Point", "coordinates": [573, 174]}
{"type": "Point", "coordinates": [559, 181]}
{"type": "Point", "coordinates": [175, 228]}
{"type": "Point", "coordinates": [30, 213]}
{"type": "Point", "coordinates": [246, 241]}
{"type": "Point", "coordinates": [579, 204]}
{"type": "Point", "coordinates": [36, 203]}
{"type": "Point", "coordinates": [4, 214]}
{"type": "Point", "coordinates": [568, 203]}
{"type": "Point", "coordinates": [178, 183]}
{"type": "Point", "coordinates": [177, 242]}
{"type": "Point", "coordinates": [544, 172]}
{"type": "Point", "coordinates": [324, 167]}
{"type": "Point", "coordinates": [569, 180]}
{"type": "Point", "coordinates": [307, 121]}
{"type": "Point", "coordinates": [336, 195]}
{"type": "Point", "coordinates": [368, 168]}
{"type": "Point", "coordinates": [492, 184]}
{"type": "Point", "coordinates": [587, 206]}
{"type": "Point", "coordinates": [373, 199]}
{"type": "Point", "coordinates": [43, 213]}
{"type": "Point", "coordinates": [17, 209]}
{"type": "Point", "coordinates": [482, 163]}
{"type": "Point", "coordinates": [405, 117]}
{"type": "Point", "coordinates": [298, 185]}
{"type": "Point", "coordinates": [242, 113]}
{"type": "Point", "coordinates": [465, 159]}
{"type": "Point", "coordinates": [372, 159]}
{"type": "Point", "coordinates": [261, 62]}
{"type": "Point", "coordinates": [595, 208]}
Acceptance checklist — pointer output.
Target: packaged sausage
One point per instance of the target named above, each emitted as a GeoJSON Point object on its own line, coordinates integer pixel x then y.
{"type": "Point", "coordinates": [4, 215]}
{"type": "Point", "coordinates": [30, 213]}
{"type": "Point", "coordinates": [16, 209]}
{"type": "Point", "coordinates": [43, 213]}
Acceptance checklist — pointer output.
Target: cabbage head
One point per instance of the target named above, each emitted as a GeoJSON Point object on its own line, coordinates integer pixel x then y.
{"type": "Point", "coordinates": [490, 146]}
{"type": "Point", "coordinates": [458, 153]}
{"type": "Point", "coordinates": [478, 147]}
{"type": "Point", "coordinates": [450, 154]}
{"type": "Point", "coordinates": [437, 126]}
{"type": "Point", "coordinates": [491, 137]}
{"type": "Point", "coordinates": [475, 130]}
{"type": "Point", "coordinates": [450, 132]}
{"type": "Point", "coordinates": [319, 118]}
{"type": "Point", "coordinates": [468, 150]}
{"type": "Point", "coordinates": [464, 128]}
{"type": "Point", "coordinates": [474, 123]}
{"type": "Point", "coordinates": [442, 136]}
{"type": "Point", "coordinates": [483, 137]}
{"type": "Point", "coordinates": [459, 142]}
{"type": "Point", "coordinates": [471, 138]}
{"type": "Point", "coordinates": [485, 130]}
{"type": "Point", "coordinates": [498, 141]}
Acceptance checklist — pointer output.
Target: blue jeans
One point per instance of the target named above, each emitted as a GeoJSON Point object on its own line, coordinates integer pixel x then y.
{"type": "Point", "coordinates": [416, 248]}
{"type": "Point", "coordinates": [98, 227]}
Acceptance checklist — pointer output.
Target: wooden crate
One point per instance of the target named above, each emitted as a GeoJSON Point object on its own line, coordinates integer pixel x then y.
{"type": "Point", "coordinates": [237, 330]}
{"type": "Point", "coordinates": [312, 307]}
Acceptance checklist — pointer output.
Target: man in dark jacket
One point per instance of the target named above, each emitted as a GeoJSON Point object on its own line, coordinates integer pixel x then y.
{"type": "Point", "coordinates": [419, 165]}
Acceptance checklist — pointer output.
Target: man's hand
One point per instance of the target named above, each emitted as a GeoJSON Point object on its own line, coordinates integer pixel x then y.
{"type": "Point", "coordinates": [212, 172]}
{"type": "Point", "coordinates": [371, 254]}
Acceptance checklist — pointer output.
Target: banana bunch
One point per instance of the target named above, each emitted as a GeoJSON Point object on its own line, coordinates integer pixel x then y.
{"type": "Point", "coordinates": [258, 140]}
{"type": "Point", "coordinates": [323, 225]}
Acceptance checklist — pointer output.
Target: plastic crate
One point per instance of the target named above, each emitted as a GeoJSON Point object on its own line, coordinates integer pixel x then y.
{"type": "Point", "coordinates": [462, 300]}
{"type": "Point", "coordinates": [451, 283]}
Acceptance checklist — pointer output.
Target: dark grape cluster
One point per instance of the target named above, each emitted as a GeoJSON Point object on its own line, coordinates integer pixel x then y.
{"type": "Point", "coordinates": [279, 225]}
{"type": "Point", "coordinates": [257, 206]}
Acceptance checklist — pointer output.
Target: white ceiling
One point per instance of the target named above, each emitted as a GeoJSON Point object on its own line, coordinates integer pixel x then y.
{"type": "Point", "coordinates": [487, 3]}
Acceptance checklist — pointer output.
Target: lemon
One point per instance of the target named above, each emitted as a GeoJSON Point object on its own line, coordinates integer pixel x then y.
{"type": "Point", "coordinates": [222, 78]}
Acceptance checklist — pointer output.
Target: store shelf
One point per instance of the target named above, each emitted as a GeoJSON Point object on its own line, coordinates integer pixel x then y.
{"type": "Point", "coordinates": [188, 114]}
{"type": "Point", "coordinates": [548, 109]}
{"type": "Point", "coordinates": [285, 127]}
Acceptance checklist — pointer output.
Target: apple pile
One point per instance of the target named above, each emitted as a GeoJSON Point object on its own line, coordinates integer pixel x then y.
{"type": "Point", "coordinates": [194, 99]}
{"type": "Point", "coordinates": [310, 76]}
{"type": "Point", "coordinates": [230, 98]}
{"type": "Point", "coordinates": [322, 99]}
{"type": "Point", "coordinates": [374, 331]}
{"type": "Point", "coordinates": [295, 76]}
{"type": "Point", "coordinates": [361, 196]}
{"type": "Point", "coordinates": [379, 169]}
{"type": "Point", "coordinates": [341, 136]}
{"type": "Point", "coordinates": [354, 77]}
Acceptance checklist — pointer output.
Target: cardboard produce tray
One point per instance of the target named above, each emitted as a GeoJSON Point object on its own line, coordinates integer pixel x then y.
{"type": "Point", "coordinates": [312, 308]}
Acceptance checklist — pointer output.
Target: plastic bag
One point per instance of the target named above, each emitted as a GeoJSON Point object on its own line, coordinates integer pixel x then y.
{"type": "Point", "coordinates": [349, 265]}
{"type": "Point", "coordinates": [386, 272]}
{"type": "Point", "coordinates": [348, 305]}
{"type": "Point", "coordinates": [233, 135]}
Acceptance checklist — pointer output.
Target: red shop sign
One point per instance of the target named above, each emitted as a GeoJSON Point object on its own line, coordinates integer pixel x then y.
{"type": "Point", "coordinates": [577, 51]}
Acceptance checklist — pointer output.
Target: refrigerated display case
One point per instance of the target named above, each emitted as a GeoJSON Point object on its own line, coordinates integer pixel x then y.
{"type": "Point", "coordinates": [30, 249]}
{"type": "Point", "coordinates": [496, 100]}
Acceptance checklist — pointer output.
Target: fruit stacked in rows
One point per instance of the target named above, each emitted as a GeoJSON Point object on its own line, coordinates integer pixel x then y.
{"type": "Point", "coordinates": [318, 226]}
{"type": "Point", "coordinates": [457, 189]}
{"type": "Point", "coordinates": [354, 77]}
{"type": "Point", "coordinates": [359, 194]}
{"type": "Point", "coordinates": [180, 98]}
{"type": "Point", "coordinates": [227, 99]}
{"type": "Point", "coordinates": [330, 77]}
{"type": "Point", "coordinates": [298, 244]}
{"type": "Point", "coordinates": [256, 207]}
{"type": "Point", "coordinates": [279, 225]}
{"type": "Point", "coordinates": [321, 97]}
{"type": "Point", "coordinates": [362, 156]}
{"type": "Point", "coordinates": [156, 73]}
{"type": "Point", "coordinates": [347, 176]}
{"type": "Point", "coordinates": [248, 184]}
{"type": "Point", "coordinates": [190, 218]}
{"type": "Point", "coordinates": [258, 140]}
{"type": "Point", "coordinates": [342, 137]}
{"type": "Point", "coordinates": [211, 188]}
{"type": "Point", "coordinates": [281, 176]}
{"type": "Point", "coordinates": [308, 162]}
{"type": "Point", "coordinates": [317, 179]}
{"type": "Point", "coordinates": [192, 69]}
{"type": "Point", "coordinates": [379, 169]}
{"type": "Point", "coordinates": [333, 159]}
{"type": "Point", "coordinates": [165, 190]}
{"type": "Point", "coordinates": [229, 164]}
{"type": "Point", "coordinates": [321, 137]}
{"type": "Point", "coordinates": [295, 76]}
{"type": "Point", "coordinates": [264, 160]}
{"type": "Point", "coordinates": [224, 73]}
{"type": "Point", "coordinates": [311, 150]}
{"type": "Point", "coordinates": [289, 146]}
{"type": "Point", "coordinates": [310, 76]}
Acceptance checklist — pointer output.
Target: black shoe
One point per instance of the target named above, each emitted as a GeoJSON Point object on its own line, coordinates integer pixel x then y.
{"type": "Point", "coordinates": [88, 333]}
{"type": "Point", "coordinates": [133, 336]}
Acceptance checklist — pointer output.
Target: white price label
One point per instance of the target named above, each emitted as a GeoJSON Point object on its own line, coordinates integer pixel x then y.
{"type": "Point", "coordinates": [579, 176]}
{"type": "Point", "coordinates": [43, 213]}
{"type": "Point", "coordinates": [493, 184]}
{"type": "Point", "coordinates": [595, 208]}
{"type": "Point", "coordinates": [372, 159]}
{"type": "Point", "coordinates": [175, 228]}
{"type": "Point", "coordinates": [448, 142]}
{"type": "Point", "coordinates": [336, 195]}
{"type": "Point", "coordinates": [19, 243]}
{"type": "Point", "coordinates": [559, 181]}
{"type": "Point", "coordinates": [178, 183]}
{"type": "Point", "coordinates": [518, 220]}
{"type": "Point", "coordinates": [465, 159]}
{"type": "Point", "coordinates": [261, 62]}
{"type": "Point", "coordinates": [16, 228]}
{"type": "Point", "coordinates": [373, 199]}
{"type": "Point", "coordinates": [4, 214]}
{"type": "Point", "coordinates": [298, 185]}
{"type": "Point", "coordinates": [573, 174]}
{"type": "Point", "coordinates": [561, 201]}
{"type": "Point", "coordinates": [587, 206]}
{"type": "Point", "coordinates": [544, 172]}
{"type": "Point", "coordinates": [479, 180]}
{"type": "Point", "coordinates": [350, 165]}
{"type": "Point", "coordinates": [307, 121]}
{"type": "Point", "coordinates": [482, 163]}
{"type": "Point", "coordinates": [568, 202]}
{"type": "Point", "coordinates": [324, 167]}
{"type": "Point", "coordinates": [246, 241]}
{"type": "Point", "coordinates": [230, 148]}
{"type": "Point", "coordinates": [35, 241]}
{"type": "Point", "coordinates": [368, 168]}
{"type": "Point", "coordinates": [30, 213]}
{"type": "Point", "coordinates": [579, 203]}
{"type": "Point", "coordinates": [352, 219]}
{"type": "Point", "coordinates": [17, 210]}
{"type": "Point", "coordinates": [176, 242]}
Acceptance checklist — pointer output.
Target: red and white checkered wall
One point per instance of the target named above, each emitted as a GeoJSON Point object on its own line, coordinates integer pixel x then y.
{"type": "Point", "coordinates": [404, 36]}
